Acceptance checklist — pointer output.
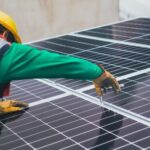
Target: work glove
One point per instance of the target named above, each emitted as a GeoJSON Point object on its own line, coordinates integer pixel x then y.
{"type": "Point", "coordinates": [105, 81]}
{"type": "Point", "coordinates": [10, 106]}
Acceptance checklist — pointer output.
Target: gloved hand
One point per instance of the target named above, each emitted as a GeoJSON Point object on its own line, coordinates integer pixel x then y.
{"type": "Point", "coordinates": [105, 81]}
{"type": "Point", "coordinates": [9, 106]}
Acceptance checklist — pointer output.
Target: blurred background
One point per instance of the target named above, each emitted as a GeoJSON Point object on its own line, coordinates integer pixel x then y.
{"type": "Point", "coordinates": [37, 19]}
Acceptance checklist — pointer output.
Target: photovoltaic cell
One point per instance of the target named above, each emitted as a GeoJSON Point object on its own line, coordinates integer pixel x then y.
{"type": "Point", "coordinates": [71, 123]}
{"type": "Point", "coordinates": [68, 44]}
{"type": "Point", "coordinates": [135, 31]}
{"type": "Point", "coordinates": [32, 91]}
{"type": "Point", "coordinates": [130, 49]}
{"type": "Point", "coordinates": [120, 58]}
{"type": "Point", "coordinates": [135, 95]}
{"type": "Point", "coordinates": [83, 41]}
{"type": "Point", "coordinates": [141, 40]}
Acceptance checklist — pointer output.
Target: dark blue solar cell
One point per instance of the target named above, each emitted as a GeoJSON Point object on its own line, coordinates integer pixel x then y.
{"type": "Point", "coordinates": [122, 31]}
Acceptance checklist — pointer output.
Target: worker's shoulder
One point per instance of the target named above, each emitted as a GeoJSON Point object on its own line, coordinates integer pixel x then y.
{"type": "Point", "coordinates": [20, 46]}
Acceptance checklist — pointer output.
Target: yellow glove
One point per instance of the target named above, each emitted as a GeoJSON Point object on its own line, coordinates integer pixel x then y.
{"type": "Point", "coordinates": [105, 81]}
{"type": "Point", "coordinates": [9, 106]}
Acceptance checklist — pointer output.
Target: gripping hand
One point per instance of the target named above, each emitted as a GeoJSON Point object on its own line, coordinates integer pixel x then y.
{"type": "Point", "coordinates": [105, 81]}
{"type": "Point", "coordinates": [10, 106]}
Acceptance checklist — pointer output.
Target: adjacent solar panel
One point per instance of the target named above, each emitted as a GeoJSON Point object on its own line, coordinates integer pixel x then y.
{"type": "Point", "coordinates": [71, 123]}
{"type": "Point", "coordinates": [136, 31]}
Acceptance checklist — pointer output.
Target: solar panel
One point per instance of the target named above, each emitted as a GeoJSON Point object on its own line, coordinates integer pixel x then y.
{"type": "Point", "coordinates": [31, 91]}
{"type": "Point", "coordinates": [136, 31]}
{"type": "Point", "coordinates": [69, 44]}
{"type": "Point", "coordinates": [142, 40]}
{"type": "Point", "coordinates": [71, 123]}
{"type": "Point", "coordinates": [66, 116]}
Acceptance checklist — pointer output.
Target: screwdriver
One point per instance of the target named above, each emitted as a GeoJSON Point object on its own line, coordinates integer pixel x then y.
{"type": "Point", "coordinates": [101, 102]}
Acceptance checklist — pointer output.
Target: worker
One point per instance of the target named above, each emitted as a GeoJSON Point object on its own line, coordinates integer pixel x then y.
{"type": "Point", "coordinates": [19, 61]}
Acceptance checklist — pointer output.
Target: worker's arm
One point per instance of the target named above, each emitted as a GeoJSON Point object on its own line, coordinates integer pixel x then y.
{"type": "Point", "coordinates": [25, 62]}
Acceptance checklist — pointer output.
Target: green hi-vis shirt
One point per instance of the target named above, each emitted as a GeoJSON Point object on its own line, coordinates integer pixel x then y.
{"type": "Point", "coordinates": [25, 62]}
